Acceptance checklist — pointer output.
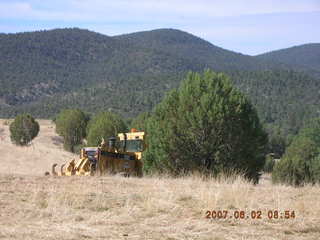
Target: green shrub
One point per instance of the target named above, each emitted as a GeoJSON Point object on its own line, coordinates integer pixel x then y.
{"type": "Point", "coordinates": [23, 129]}
{"type": "Point", "coordinates": [71, 125]}
{"type": "Point", "coordinates": [104, 125]}
{"type": "Point", "coordinates": [301, 161]}
{"type": "Point", "coordinates": [295, 166]}
{"type": "Point", "coordinates": [206, 125]}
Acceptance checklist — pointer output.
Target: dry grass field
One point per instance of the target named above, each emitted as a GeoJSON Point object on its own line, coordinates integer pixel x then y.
{"type": "Point", "coordinates": [36, 158]}
{"type": "Point", "coordinates": [33, 206]}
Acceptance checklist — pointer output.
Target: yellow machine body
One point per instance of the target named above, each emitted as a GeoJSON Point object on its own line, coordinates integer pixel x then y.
{"type": "Point", "coordinates": [134, 143]}
{"type": "Point", "coordinates": [124, 159]}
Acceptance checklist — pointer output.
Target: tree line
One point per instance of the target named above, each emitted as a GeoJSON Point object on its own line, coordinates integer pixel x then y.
{"type": "Point", "coordinates": [205, 125]}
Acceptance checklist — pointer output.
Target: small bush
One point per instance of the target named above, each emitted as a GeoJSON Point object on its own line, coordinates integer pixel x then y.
{"type": "Point", "coordinates": [23, 129]}
{"type": "Point", "coordinates": [296, 166]}
{"type": "Point", "coordinates": [301, 162]}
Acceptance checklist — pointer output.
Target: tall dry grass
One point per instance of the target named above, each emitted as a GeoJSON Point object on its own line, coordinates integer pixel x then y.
{"type": "Point", "coordinates": [114, 207]}
{"type": "Point", "coordinates": [159, 207]}
{"type": "Point", "coordinates": [35, 159]}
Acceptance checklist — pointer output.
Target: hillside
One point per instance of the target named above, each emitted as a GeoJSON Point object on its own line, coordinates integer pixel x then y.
{"type": "Point", "coordinates": [44, 63]}
{"type": "Point", "coordinates": [195, 49]}
{"type": "Point", "coordinates": [304, 57]}
{"type": "Point", "coordinates": [37, 64]}
{"type": "Point", "coordinates": [281, 97]}
{"type": "Point", "coordinates": [111, 207]}
{"type": "Point", "coordinates": [45, 71]}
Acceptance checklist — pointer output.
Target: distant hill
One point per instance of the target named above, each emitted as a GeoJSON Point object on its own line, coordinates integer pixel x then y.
{"type": "Point", "coordinates": [195, 49]}
{"type": "Point", "coordinates": [44, 63]}
{"type": "Point", "coordinates": [39, 64]}
{"type": "Point", "coordinates": [42, 72]}
{"type": "Point", "coordinates": [304, 57]}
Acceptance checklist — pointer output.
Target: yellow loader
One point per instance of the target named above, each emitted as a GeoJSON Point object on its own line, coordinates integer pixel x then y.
{"type": "Point", "coordinates": [117, 157]}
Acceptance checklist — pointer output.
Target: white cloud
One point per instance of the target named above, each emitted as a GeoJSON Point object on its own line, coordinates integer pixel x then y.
{"type": "Point", "coordinates": [198, 8]}
{"type": "Point", "coordinates": [12, 10]}
{"type": "Point", "coordinates": [146, 10]}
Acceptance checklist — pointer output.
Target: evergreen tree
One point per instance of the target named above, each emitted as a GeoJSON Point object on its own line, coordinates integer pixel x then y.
{"type": "Point", "coordinates": [104, 125]}
{"type": "Point", "coordinates": [301, 161]}
{"type": "Point", "coordinates": [140, 122]}
{"type": "Point", "coordinates": [205, 125]}
{"type": "Point", "coordinates": [294, 168]}
{"type": "Point", "coordinates": [23, 129]}
{"type": "Point", "coordinates": [71, 125]}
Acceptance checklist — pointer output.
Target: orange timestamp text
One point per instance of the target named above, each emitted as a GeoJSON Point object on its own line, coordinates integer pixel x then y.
{"type": "Point", "coordinates": [253, 214]}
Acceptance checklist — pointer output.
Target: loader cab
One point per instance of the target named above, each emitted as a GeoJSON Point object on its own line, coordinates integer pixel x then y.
{"type": "Point", "coordinates": [132, 142]}
{"type": "Point", "coordinates": [90, 153]}
{"type": "Point", "coordinates": [133, 145]}
{"type": "Point", "coordinates": [112, 159]}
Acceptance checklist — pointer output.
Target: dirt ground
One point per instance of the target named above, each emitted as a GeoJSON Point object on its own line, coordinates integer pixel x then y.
{"type": "Point", "coordinates": [33, 206]}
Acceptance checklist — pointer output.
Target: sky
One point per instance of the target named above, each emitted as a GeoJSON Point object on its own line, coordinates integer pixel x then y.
{"type": "Point", "coordinates": [246, 26]}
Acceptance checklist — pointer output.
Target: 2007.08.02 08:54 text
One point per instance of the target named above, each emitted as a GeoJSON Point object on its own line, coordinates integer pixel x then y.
{"type": "Point", "coordinates": [254, 214]}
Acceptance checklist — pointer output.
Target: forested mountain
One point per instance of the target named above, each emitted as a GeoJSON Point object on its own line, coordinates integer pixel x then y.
{"type": "Point", "coordinates": [45, 71]}
{"type": "Point", "coordinates": [37, 64]}
{"type": "Point", "coordinates": [284, 98]}
{"type": "Point", "coordinates": [195, 49]}
{"type": "Point", "coordinates": [304, 57]}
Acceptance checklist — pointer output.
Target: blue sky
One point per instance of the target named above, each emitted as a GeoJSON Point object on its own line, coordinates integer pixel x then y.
{"type": "Point", "coordinates": [246, 26]}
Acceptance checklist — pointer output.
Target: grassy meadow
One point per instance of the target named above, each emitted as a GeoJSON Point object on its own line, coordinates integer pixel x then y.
{"type": "Point", "coordinates": [33, 206]}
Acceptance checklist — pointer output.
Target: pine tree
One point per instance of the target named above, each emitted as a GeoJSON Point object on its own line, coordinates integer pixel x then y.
{"type": "Point", "coordinates": [71, 125]}
{"type": "Point", "coordinates": [140, 122]}
{"type": "Point", "coordinates": [301, 161]}
{"type": "Point", "coordinates": [104, 125]}
{"type": "Point", "coordinates": [205, 125]}
{"type": "Point", "coordinates": [23, 129]}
